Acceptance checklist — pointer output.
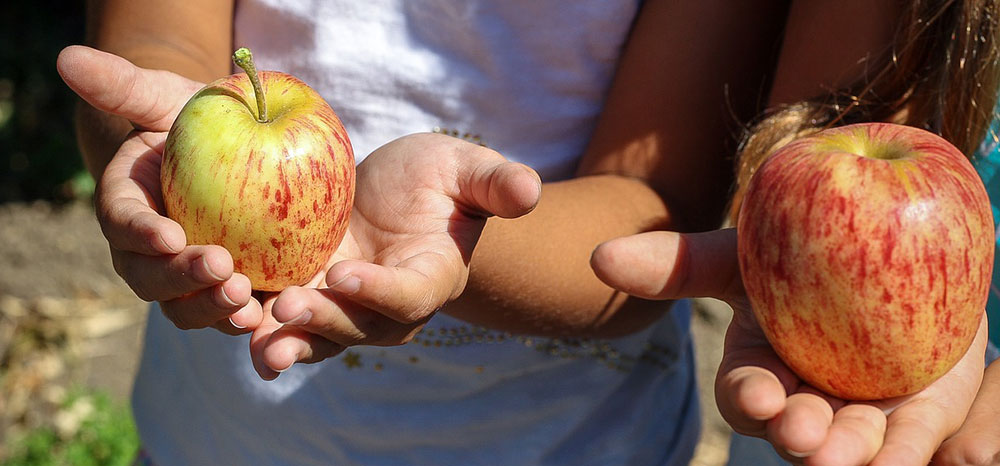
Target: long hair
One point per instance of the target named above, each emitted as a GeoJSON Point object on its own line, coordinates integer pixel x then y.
{"type": "Point", "coordinates": [943, 75]}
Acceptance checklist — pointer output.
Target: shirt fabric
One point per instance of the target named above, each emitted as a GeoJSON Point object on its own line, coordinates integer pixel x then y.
{"type": "Point", "coordinates": [528, 78]}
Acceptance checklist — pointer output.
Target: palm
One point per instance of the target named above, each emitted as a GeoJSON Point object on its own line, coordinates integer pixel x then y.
{"type": "Point", "coordinates": [404, 212]}
{"type": "Point", "coordinates": [420, 206]}
{"type": "Point", "coordinates": [421, 203]}
{"type": "Point", "coordinates": [758, 394]}
{"type": "Point", "coordinates": [811, 421]}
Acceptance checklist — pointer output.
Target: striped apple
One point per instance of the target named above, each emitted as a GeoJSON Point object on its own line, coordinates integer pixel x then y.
{"type": "Point", "coordinates": [866, 252]}
{"type": "Point", "coordinates": [263, 167]}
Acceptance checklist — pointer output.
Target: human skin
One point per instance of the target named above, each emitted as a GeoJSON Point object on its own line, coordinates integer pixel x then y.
{"type": "Point", "coordinates": [758, 394]}
{"type": "Point", "coordinates": [659, 158]}
{"type": "Point", "coordinates": [884, 316]}
{"type": "Point", "coordinates": [623, 187]}
{"type": "Point", "coordinates": [274, 187]}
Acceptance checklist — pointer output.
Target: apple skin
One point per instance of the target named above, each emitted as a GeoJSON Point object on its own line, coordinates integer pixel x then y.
{"type": "Point", "coordinates": [276, 195]}
{"type": "Point", "coordinates": [869, 276]}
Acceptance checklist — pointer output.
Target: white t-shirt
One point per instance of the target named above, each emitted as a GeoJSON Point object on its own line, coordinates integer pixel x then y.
{"type": "Point", "coordinates": [529, 78]}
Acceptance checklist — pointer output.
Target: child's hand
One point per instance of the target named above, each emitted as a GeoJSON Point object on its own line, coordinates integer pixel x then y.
{"type": "Point", "coordinates": [420, 206]}
{"type": "Point", "coordinates": [977, 443]}
{"type": "Point", "coordinates": [758, 394]}
{"type": "Point", "coordinates": [195, 284]}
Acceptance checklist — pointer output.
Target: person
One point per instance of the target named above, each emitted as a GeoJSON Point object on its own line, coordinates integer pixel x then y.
{"type": "Point", "coordinates": [948, 86]}
{"type": "Point", "coordinates": [625, 109]}
{"type": "Point", "coordinates": [977, 442]}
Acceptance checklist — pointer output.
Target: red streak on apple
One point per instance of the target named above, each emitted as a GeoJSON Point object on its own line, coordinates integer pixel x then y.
{"type": "Point", "coordinates": [866, 252]}
{"type": "Point", "coordinates": [276, 194]}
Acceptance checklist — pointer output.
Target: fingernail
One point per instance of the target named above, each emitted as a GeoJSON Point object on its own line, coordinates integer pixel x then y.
{"type": "Point", "coordinates": [204, 264]}
{"type": "Point", "coordinates": [796, 454]}
{"type": "Point", "coordinates": [234, 324]}
{"type": "Point", "coordinates": [347, 285]}
{"type": "Point", "coordinates": [225, 297]}
{"type": "Point", "coordinates": [302, 319]}
{"type": "Point", "coordinates": [166, 246]}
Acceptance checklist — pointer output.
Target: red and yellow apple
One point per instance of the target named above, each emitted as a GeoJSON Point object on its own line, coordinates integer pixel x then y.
{"type": "Point", "coordinates": [866, 252]}
{"type": "Point", "coordinates": [262, 166]}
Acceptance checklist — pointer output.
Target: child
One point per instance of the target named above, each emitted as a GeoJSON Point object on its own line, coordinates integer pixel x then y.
{"type": "Point", "coordinates": [944, 85]}
{"type": "Point", "coordinates": [624, 108]}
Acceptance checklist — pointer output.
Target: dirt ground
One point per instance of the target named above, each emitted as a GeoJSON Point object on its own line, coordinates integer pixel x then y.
{"type": "Point", "coordinates": [67, 320]}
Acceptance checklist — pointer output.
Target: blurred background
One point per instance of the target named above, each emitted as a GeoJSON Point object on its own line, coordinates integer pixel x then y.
{"type": "Point", "coordinates": [70, 329]}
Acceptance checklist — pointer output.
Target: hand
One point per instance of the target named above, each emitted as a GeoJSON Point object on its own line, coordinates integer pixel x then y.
{"type": "Point", "coordinates": [758, 394]}
{"type": "Point", "coordinates": [420, 205]}
{"type": "Point", "coordinates": [195, 284]}
{"type": "Point", "coordinates": [977, 442]}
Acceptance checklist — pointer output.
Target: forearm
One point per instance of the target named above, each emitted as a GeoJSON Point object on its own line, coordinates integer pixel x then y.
{"type": "Point", "coordinates": [532, 275]}
{"type": "Point", "coordinates": [192, 39]}
{"type": "Point", "coordinates": [659, 158]}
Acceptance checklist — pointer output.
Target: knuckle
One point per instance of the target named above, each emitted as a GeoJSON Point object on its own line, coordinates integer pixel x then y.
{"type": "Point", "coordinates": [182, 317]}
{"type": "Point", "coordinates": [118, 261]}
{"type": "Point", "coordinates": [971, 453]}
{"type": "Point", "coordinates": [412, 317]}
{"type": "Point", "coordinates": [173, 316]}
{"type": "Point", "coordinates": [142, 294]}
{"type": "Point", "coordinates": [393, 333]}
{"type": "Point", "coordinates": [124, 268]}
{"type": "Point", "coordinates": [424, 308]}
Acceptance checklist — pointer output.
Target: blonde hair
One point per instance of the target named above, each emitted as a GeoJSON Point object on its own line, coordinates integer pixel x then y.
{"type": "Point", "coordinates": [943, 74]}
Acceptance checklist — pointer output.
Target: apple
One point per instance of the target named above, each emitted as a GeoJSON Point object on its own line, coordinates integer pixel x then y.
{"type": "Point", "coordinates": [263, 167]}
{"type": "Point", "coordinates": [866, 252]}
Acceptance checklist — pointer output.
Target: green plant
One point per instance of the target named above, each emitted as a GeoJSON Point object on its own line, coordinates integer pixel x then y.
{"type": "Point", "coordinates": [105, 436]}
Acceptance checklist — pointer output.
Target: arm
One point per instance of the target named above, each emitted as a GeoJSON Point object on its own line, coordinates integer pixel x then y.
{"type": "Point", "coordinates": [192, 39]}
{"type": "Point", "coordinates": [412, 250]}
{"type": "Point", "coordinates": [756, 393]}
{"type": "Point", "coordinates": [121, 126]}
{"type": "Point", "coordinates": [660, 158]}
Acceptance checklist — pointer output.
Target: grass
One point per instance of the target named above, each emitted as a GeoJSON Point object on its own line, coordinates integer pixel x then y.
{"type": "Point", "coordinates": [90, 430]}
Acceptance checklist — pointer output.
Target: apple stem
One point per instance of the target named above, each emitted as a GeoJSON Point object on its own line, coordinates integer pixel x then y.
{"type": "Point", "coordinates": [244, 59]}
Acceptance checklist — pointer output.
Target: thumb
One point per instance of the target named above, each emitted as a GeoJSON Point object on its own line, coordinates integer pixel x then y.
{"type": "Point", "coordinates": [670, 265]}
{"type": "Point", "coordinates": [150, 99]}
{"type": "Point", "coordinates": [498, 187]}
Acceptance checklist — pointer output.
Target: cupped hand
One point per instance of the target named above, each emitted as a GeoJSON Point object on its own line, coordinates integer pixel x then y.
{"type": "Point", "coordinates": [195, 284]}
{"type": "Point", "coordinates": [977, 442]}
{"type": "Point", "coordinates": [420, 205]}
{"type": "Point", "coordinates": [758, 394]}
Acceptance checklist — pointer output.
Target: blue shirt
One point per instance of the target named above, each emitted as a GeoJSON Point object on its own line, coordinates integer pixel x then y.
{"type": "Point", "coordinates": [987, 163]}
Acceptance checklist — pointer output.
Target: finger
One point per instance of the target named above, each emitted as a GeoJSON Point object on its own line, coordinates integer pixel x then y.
{"type": "Point", "coordinates": [977, 442]}
{"type": "Point", "coordinates": [917, 427]}
{"type": "Point", "coordinates": [168, 277]}
{"type": "Point", "coordinates": [126, 209]}
{"type": "Point", "coordinates": [408, 293]}
{"type": "Point", "coordinates": [258, 340]}
{"type": "Point", "coordinates": [338, 320]}
{"type": "Point", "coordinates": [150, 99]}
{"type": "Point", "coordinates": [290, 345]}
{"type": "Point", "coordinates": [913, 432]}
{"type": "Point", "coordinates": [748, 397]}
{"type": "Point", "coordinates": [854, 437]}
{"type": "Point", "coordinates": [244, 320]}
{"type": "Point", "coordinates": [505, 189]}
{"type": "Point", "coordinates": [668, 265]}
{"type": "Point", "coordinates": [490, 185]}
{"type": "Point", "coordinates": [210, 306]}
{"type": "Point", "coordinates": [801, 427]}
